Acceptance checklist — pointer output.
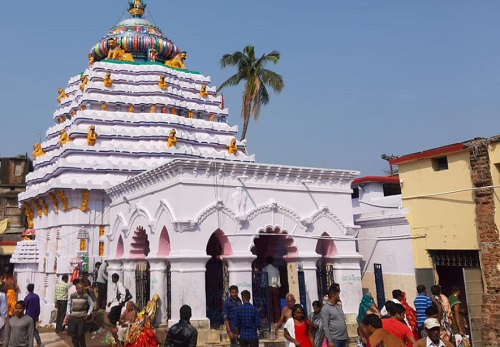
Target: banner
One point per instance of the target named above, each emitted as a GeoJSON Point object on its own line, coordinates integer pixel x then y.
{"type": "Point", "coordinates": [3, 225]}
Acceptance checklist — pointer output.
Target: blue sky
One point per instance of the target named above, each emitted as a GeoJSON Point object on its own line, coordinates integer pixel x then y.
{"type": "Point", "coordinates": [362, 78]}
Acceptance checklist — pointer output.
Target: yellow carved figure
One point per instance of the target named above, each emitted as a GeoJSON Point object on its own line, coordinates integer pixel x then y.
{"type": "Point", "coordinates": [152, 109]}
{"type": "Point", "coordinates": [115, 52]}
{"type": "Point", "coordinates": [173, 111]}
{"type": "Point", "coordinates": [61, 95]}
{"type": "Point", "coordinates": [85, 200]}
{"type": "Point", "coordinates": [84, 79]}
{"type": "Point", "coordinates": [60, 195]}
{"type": "Point", "coordinates": [61, 119]}
{"type": "Point", "coordinates": [172, 140]}
{"type": "Point", "coordinates": [211, 118]}
{"type": "Point", "coordinates": [91, 136]}
{"type": "Point", "coordinates": [177, 61]}
{"type": "Point", "coordinates": [64, 137]}
{"type": "Point", "coordinates": [28, 212]}
{"type": "Point", "coordinates": [91, 59]}
{"type": "Point", "coordinates": [131, 108]}
{"type": "Point", "coordinates": [232, 149]}
{"type": "Point", "coordinates": [37, 150]}
{"type": "Point", "coordinates": [190, 114]}
{"type": "Point", "coordinates": [107, 80]}
{"type": "Point", "coordinates": [104, 107]}
{"type": "Point", "coordinates": [203, 91]}
{"type": "Point", "coordinates": [162, 84]}
{"type": "Point", "coordinates": [45, 209]}
{"type": "Point", "coordinates": [53, 199]}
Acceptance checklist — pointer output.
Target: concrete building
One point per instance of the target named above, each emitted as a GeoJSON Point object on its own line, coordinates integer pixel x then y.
{"type": "Point", "coordinates": [384, 239]}
{"type": "Point", "coordinates": [13, 171]}
{"type": "Point", "coordinates": [451, 194]}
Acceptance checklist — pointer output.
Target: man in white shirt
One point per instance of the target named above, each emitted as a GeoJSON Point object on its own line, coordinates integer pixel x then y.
{"type": "Point", "coordinates": [433, 329]}
{"type": "Point", "coordinates": [274, 284]}
{"type": "Point", "coordinates": [118, 299]}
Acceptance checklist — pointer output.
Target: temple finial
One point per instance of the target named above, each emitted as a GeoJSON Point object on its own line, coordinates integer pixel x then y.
{"type": "Point", "coordinates": [136, 8]}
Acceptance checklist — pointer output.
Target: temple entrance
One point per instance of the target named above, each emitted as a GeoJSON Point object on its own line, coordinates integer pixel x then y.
{"type": "Point", "coordinates": [216, 277]}
{"type": "Point", "coordinates": [324, 267]}
{"type": "Point", "coordinates": [277, 244]}
{"type": "Point", "coordinates": [139, 248]}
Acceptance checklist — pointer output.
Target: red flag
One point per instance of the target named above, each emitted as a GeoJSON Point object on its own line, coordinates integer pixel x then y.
{"type": "Point", "coordinates": [222, 102]}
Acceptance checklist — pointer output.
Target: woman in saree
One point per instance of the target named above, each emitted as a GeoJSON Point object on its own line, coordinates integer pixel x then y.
{"type": "Point", "coordinates": [411, 316]}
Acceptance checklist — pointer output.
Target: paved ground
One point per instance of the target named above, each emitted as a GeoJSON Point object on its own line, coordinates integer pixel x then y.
{"type": "Point", "coordinates": [51, 339]}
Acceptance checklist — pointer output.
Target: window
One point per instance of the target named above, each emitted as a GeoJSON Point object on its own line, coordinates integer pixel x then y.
{"type": "Point", "coordinates": [439, 164]}
{"type": "Point", "coordinates": [18, 169]}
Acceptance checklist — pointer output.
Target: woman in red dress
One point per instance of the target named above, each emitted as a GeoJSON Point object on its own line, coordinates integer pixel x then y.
{"type": "Point", "coordinates": [297, 329]}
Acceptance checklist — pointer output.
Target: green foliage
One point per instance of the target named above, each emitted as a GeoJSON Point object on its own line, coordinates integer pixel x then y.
{"type": "Point", "coordinates": [256, 78]}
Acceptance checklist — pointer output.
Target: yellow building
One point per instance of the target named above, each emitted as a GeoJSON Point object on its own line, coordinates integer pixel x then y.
{"type": "Point", "coordinates": [451, 193]}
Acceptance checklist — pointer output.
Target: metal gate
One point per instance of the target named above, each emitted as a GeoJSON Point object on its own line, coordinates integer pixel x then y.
{"type": "Point", "coordinates": [324, 277]}
{"type": "Point", "coordinates": [216, 285]}
{"type": "Point", "coordinates": [169, 292]}
{"type": "Point", "coordinates": [379, 284]}
{"type": "Point", "coordinates": [261, 299]}
{"type": "Point", "coordinates": [142, 284]}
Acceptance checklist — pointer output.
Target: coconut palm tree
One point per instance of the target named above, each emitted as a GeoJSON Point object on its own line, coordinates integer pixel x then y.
{"type": "Point", "coordinates": [257, 79]}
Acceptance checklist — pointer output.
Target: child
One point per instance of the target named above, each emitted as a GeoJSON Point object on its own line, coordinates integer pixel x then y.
{"type": "Point", "coordinates": [297, 331]}
{"type": "Point", "coordinates": [20, 328]}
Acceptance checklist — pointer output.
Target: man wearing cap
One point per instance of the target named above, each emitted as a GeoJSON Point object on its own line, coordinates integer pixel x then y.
{"type": "Point", "coordinates": [433, 329]}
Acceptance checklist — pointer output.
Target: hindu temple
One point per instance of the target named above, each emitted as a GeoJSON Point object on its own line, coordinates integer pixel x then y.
{"type": "Point", "coordinates": [143, 169]}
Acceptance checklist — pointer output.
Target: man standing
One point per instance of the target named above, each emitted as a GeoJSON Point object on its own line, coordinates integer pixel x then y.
{"type": "Point", "coordinates": [333, 319]}
{"type": "Point", "coordinates": [433, 329]}
{"type": "Point", "coordinates": [80, 307]}
{"type": "Point", "coordinates": [182, 334]}
{"type": "Point", "coordinates": [61, 301]}
{"type": "Point", "coordinates": [32, 303]}
{"type": "Point", "coordinates": [229, 309]}
{"type": "Point", "coordinates": [102, 286]}
{"type": "Point", "coordinates": [247, 322]}
{"type": "Point", "coordinates": [118, 300]}
{"type": "Point", "coordinates": [274, 284]}
{"type": "Point", "coordinates": [287, 312]}
{"type": "Point", "coordinates": [19, 330]}
{"type": "Point", "coordinates": [422, 301]}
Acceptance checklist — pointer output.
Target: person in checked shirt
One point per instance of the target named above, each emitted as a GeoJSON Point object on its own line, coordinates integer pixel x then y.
{"type": "Point", "coordinates": [247, 322]}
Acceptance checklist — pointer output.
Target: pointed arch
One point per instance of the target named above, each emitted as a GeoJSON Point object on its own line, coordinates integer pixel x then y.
{"type": "Point", "coordinates": [326, 246]}
{"type": "Point", "coordinates": [120, 247]}
{"type": "Point", "coordinates": [218, 244]}
{"type": "Point", "coordinates": [164, 243]}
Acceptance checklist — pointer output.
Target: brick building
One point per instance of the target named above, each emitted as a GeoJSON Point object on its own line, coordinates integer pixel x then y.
{"type": "Point", "coordinates": [13, 173]}
{"type": "Point", "coordinates": [451, 194]}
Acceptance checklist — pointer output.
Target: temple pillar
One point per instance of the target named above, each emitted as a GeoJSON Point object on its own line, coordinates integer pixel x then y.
{"type": "Point", "coordinates": [347, 272]}
{"type": "Point", "coordinates": [115, 266]}
{"type": "Point", "coordinates": [158, 285]}
{"type": "Point", "coordinates": [188, 287]}
{"type": "Point", "coordinates": [308, 264]}
{"type": "Point", "coordinates": [128, 280]}
{"type": "Point", "coordinates": [240, 270]}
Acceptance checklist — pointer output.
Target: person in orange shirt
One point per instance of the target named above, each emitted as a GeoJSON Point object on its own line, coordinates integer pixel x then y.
{"type": "Point", "coordinates": [371, 330]}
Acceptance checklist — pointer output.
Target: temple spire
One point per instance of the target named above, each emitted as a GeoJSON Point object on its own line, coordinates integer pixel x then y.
{"type": "Point", "coordinates": [136, 8]}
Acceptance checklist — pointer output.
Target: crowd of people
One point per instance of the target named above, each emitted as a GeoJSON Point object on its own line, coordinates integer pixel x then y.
{"type": "Point", "coordinates": [436, 318]}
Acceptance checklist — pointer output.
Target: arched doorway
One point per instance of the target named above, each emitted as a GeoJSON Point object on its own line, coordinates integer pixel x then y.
{"type": "Point", "coordinates": [216, 277]}
{"type": "Point", "coordinates": [324, 268]}
{"type": "Point", "coordinates": [139, 248]}
{"type": "Point", "coordinates": [278, 244]}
